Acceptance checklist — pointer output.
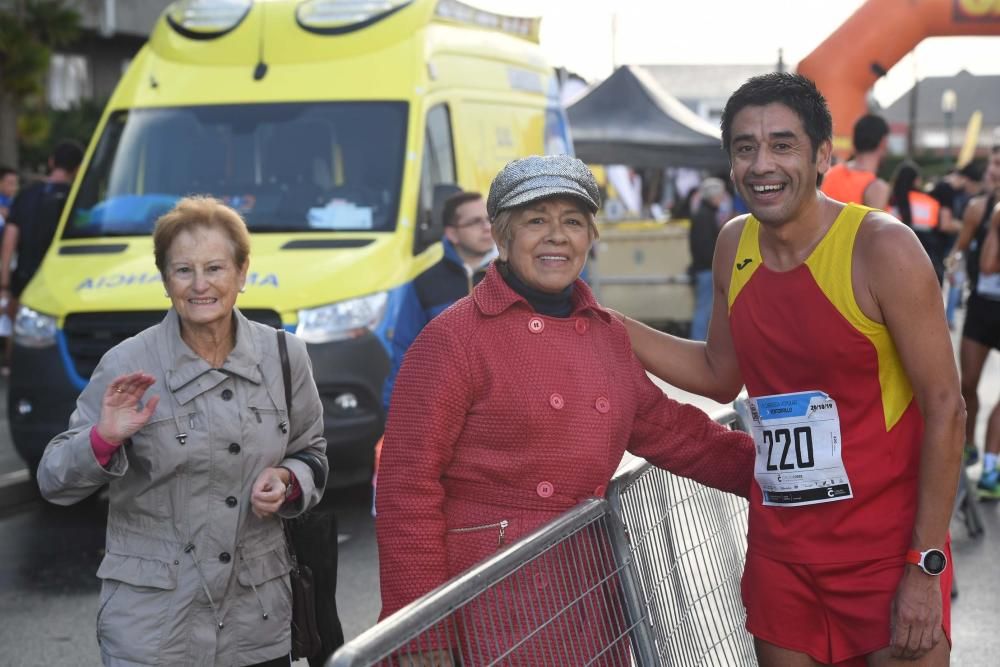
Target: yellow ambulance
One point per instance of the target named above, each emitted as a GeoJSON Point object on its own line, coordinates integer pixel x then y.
{"type": "Point", "coordinates": [335, 128]}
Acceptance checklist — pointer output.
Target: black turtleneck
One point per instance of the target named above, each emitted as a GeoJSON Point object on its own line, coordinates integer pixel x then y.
{"type": "Point", "coordinates": [544, 303]}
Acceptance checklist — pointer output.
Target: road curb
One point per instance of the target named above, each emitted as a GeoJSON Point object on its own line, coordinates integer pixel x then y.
{"type": "Point", "coordinates": [17, 487]}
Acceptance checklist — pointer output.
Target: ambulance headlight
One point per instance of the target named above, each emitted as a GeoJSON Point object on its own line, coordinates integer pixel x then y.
{"type": "Point", "coordinates": [34, 329]}
{"type": "Point", "coordinates": [201, 19]}
{"type": "Point", "coordinates": [341, 320]}
{"type": "Point", "coordinates": [332, 17]}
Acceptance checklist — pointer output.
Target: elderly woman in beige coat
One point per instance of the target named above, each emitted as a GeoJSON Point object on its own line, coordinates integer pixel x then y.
{"type": "Point", "coordinates": [187, 424]}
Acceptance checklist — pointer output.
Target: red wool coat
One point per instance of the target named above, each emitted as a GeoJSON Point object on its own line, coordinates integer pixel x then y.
{"type": "Point", "coordinates": [503, 415]}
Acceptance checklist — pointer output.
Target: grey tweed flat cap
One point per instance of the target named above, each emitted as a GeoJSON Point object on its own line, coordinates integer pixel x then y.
{"type": "Point", "coordinates": [538, 176]}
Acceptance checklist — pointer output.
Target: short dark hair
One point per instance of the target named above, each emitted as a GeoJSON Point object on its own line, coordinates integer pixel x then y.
{"type": "Point", "coordinates": [67, 155]}
{"type": "Point", "coordinates": [449, 213]}
{"type": "Point", "coordinates": [869, 131]}
{"type": "Point", "coordinates": [973, 171]}
{"type": "Point", "coordinates": [4, 170]}
{"type": "Point", "coordinates": [794, 91]}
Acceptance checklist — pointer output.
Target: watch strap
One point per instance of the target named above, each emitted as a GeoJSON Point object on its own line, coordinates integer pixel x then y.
{"type": "Point", "coordinates": [913, 557]}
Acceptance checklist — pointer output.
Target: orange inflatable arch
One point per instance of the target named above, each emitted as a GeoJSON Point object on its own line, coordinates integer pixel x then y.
{"type": "Point", "coordinates": [877, 36]}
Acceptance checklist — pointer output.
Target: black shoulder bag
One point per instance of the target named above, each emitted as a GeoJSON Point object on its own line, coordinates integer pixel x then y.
{"type": "Point", "coordinates": [306, 642]}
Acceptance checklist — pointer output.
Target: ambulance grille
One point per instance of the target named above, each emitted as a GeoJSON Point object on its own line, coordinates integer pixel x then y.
{"type": "Point", "coordinates": [90, 335]}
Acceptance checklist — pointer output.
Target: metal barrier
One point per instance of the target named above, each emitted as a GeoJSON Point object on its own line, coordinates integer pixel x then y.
{"type": "Point", "coordinates": [649, 576]}
{"type": "Point", "coordinates": [552, 598]}
{"type": "Point", "coordinates": [689, 543]}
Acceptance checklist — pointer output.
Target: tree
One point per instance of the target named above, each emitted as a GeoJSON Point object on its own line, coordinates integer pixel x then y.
{"type": "Point", "coordinates": [29, 31]}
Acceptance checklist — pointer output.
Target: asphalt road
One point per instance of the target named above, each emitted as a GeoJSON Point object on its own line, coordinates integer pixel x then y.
{"type": "Point", "coordinates": [48, 556]}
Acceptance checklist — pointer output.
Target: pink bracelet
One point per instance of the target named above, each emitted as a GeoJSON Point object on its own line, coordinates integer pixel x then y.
{"type": "Point", "coordinates": [103, 450]}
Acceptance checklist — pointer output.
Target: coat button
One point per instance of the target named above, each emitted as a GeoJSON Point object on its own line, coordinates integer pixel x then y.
{"type": "Point", "coordinates": [536, 324]}
{"type": "Point", "coordinates": [234, 448]}
{"type": "Point", "coordinates": [227, 394]}
{"type": "Point", "coordinates": [224, 557]}
{"type": "Point", "coordinates": [602, 404]}
{"type": "Point", "coordinates": [556, 401]}
{"type": "Point", "coordinates": [231, 501]}
{"type": "Point", "coordinates": [581, 326]}
{"type": "Point", "coordinates": [545, 489]}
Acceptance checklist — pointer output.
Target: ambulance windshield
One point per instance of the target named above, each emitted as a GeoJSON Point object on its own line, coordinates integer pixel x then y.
{"type": "Point", "coordinates": [331, 166]}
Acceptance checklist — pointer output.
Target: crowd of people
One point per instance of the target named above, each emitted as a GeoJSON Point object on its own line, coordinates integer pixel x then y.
{"type": "Point", "coordinates": [514, 394]}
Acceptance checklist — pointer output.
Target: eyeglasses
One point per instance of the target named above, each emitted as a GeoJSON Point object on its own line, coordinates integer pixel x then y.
{"type": "Point", "coordinates": [482, 222]}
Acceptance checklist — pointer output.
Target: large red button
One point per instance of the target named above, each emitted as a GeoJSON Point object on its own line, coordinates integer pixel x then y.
{"type": "Point", "coordinates": [545, 489]}
{"type": "Point", "coordinates": [602, 404]}
{"type": "Point", "coordinates": [556, 401]}
{"type": "Point", "coordinates": [536, 324]}
{"type": "Point", "coordinates": [581, 326]}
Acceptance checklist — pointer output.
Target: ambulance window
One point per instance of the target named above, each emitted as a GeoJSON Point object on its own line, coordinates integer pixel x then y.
{"type": "Point", "coordinates": [289, 167]}
{"type": "Point", "coordinates": [439, 159]}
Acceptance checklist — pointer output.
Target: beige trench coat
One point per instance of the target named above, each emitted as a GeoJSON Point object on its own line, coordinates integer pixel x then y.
{"type": "Point", "coordinates": [191, 576]}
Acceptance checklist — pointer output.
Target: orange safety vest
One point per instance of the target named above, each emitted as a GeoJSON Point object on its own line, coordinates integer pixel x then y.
{"type": "Point", "coordinates": [845, 184]}
{"type": "Point", "coordinates": [925, 211]}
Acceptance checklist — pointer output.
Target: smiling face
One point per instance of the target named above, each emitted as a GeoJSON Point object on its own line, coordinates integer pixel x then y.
{"type": "Point", "coordinates": [773, 166]}
{"type": "Point", "coordinates": [202, 277]}
{"type": "Point", "coordinates": [549, 243]}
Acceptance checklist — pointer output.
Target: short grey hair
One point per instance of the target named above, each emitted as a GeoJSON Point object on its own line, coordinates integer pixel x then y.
{"type": "Point", "coordinates": [503, 226]}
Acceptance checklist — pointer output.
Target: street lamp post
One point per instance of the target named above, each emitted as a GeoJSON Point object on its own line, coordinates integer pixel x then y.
{"type": "Point", "coordinates": [949, 102]}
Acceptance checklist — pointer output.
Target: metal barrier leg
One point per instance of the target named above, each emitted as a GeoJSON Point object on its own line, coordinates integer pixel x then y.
{"type": "Point", "coordinates": [967, 507]}
{"type": "Point", "coordinates": [643, 644]}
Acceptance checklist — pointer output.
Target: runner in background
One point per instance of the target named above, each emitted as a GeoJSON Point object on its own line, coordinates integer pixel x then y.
{"type": "Point", "coordinates": [856, 180]}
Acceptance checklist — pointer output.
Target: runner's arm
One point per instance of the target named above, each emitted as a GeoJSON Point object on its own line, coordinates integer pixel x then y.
{"type": "Point", "coordinates": [902, 283]}
{"type": "Point", "coordinates": [711, 368]}
{"type": "Point", "coordinates": [877, 194]}
{"type": "Point", "coordinates": [989, 256]}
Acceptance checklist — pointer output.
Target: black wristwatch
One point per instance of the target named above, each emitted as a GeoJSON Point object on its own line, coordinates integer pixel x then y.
{"type": "Point", "coordinates": [932, 561]}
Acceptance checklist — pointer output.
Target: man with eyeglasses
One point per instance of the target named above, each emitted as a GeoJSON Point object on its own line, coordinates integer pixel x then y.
{"type": "Point", "coordinates": [468, 251]}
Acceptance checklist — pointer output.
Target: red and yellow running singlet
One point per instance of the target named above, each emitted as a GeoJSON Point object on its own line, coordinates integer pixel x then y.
{"type": "Point", "coordinates": [802, 331]}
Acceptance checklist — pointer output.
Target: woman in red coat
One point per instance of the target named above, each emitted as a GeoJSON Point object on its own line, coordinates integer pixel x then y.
{"type": "Point", "coordinates": [519, 401]}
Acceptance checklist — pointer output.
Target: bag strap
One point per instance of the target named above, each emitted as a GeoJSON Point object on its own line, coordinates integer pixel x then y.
{"type": "Point", "coordinates": [286, 372]}
{"type": "Point", "coordinates": [286, 379]}
{"type": "Point", "coordinates": [319, 475]}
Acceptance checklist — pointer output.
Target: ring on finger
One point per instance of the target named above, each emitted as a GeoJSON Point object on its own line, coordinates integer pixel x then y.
{"type": "Point", "coordinates": [118, 389]}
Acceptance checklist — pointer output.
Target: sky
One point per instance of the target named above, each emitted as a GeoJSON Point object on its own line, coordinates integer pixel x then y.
{"type": "Point", "coordinates": [577, 34]}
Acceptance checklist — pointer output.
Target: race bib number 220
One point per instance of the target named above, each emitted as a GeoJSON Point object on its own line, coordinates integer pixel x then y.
{"type": "Point", "coordinates": [798, 448]}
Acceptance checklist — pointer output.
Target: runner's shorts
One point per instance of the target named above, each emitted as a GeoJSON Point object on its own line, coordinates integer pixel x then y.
{"type": "Point", "coordinates": [834, 612]}
{"type": "Point", "coordinates": [982, 321]}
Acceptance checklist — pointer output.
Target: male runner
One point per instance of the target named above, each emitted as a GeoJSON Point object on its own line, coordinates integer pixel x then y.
{"type": "Point", "coordinates": [831, 316]}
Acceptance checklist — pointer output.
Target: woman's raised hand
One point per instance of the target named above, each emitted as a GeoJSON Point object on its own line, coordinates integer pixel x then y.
{"type": "Point", "coordinates": [121, 415]}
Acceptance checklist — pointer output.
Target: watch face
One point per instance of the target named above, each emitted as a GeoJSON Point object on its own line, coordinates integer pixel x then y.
{"type": "Point", "coordinates": [934, 561]}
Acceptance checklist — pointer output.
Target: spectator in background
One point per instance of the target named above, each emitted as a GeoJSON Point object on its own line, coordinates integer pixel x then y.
{"type": "Point", "coordinates": [34, 216]}
{"type": "Point", "coordinates": [468, 251]}
{"type": "Point", "coordinates": [8, 189]}
{"type": "Point", "coordinates": [932, 222]}
{"type": "Point", "coordinates": [705, 224]}
{"type": "Point", "coordinates": [954, 192]}
{"type": "Point", "coordinates": [856, 180]}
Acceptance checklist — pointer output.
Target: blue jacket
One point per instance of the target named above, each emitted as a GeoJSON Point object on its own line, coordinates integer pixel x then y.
{"type": "Point", "coordinates": [425, 298]}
